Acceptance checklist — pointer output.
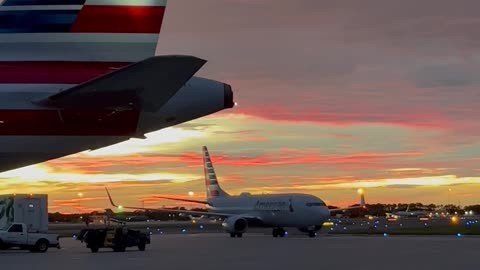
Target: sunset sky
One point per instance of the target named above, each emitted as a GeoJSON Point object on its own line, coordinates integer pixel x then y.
{"type": "Point", "coordinates": [333, 96]}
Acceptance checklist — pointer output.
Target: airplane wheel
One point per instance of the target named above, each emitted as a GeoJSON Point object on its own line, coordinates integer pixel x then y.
{"type": "Point", "coordinates": [312, 234]}
{"type": "Point", "coordinates": [239, 235]}
{"type": "Point", "coordinates": [232, 235]}
{"type": "Point", "coordinates": [275, 232]}
{"type": "Point", "coordinates": [281, 232]}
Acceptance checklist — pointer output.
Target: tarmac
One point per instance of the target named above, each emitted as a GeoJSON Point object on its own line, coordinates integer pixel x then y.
{"type": "Point", "coordinates": [259, 251]}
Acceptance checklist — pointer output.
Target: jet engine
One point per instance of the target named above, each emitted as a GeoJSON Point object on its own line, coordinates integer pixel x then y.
{"type": "Point", "coordinates": [235, 224]}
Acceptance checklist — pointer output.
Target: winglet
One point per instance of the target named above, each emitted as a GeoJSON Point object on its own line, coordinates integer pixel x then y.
{"type": "Point", "coordinates": [362, 198]}
{"type": "Point", "coordinates": [110, 198]}
{"type": "Point", "coordinates": [362, 201]}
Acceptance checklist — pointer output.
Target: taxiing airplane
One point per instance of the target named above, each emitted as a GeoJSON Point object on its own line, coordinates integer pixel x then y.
{"type": "Point", "coordinates": [79, 75]}
{"type": "Point", "coordinates": [302, 211]}
{"type": "Point", "coordinates": [407, 213]}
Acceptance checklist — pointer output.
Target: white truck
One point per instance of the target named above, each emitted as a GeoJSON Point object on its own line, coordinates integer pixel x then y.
{"type": "Point", "coordinates": [17, 235]}
{"type": "Point", "coordinates": [31, 209]}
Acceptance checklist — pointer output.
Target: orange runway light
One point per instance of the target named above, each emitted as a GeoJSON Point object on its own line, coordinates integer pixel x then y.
{"type": "Point", "coordinates": [454, 220]}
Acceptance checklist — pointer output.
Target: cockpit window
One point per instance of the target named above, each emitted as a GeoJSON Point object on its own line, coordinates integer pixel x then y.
{"type": "Point", "coordinates": [316, 204]}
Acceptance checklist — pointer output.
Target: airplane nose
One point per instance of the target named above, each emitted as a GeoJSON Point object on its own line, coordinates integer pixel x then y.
{"type": "Point", "coordinates": [324, 212]}
{"type": "Point", "coordinates": [228, 96]}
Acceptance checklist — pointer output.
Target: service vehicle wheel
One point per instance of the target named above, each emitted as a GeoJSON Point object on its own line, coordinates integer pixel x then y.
{"type": "Point", "coordinates": [41, 245]}
{"type": "Point", "coordinates": [119, 249]}
{"type": "Point", "coordinates": [142, 246]}
{"type": "Point", "coordinates": [275, 232]}
{"type": "Point", "coordinates": [94, 249]}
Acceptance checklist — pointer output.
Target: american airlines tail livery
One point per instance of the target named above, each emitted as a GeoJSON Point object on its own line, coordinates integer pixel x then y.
{"type": "Point", "coordinates": [80, 75]}
{"type": "Point", "coordinates": [303, 211]}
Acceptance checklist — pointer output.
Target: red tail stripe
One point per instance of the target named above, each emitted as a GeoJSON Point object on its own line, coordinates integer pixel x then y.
{"type": "Point", "coordinates": [54, 72]}
{"type": "Point", "coordinates": [67, 123]}
{"type": "Point", "coordinates": [119, 19]}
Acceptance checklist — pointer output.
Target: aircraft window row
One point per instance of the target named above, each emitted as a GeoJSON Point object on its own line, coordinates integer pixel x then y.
{"type": "Point", "coordinates": [316, 204]}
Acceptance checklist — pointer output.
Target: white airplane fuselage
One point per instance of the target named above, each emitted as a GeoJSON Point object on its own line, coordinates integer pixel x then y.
{"type": "Point", "coordinates": [282, 210]}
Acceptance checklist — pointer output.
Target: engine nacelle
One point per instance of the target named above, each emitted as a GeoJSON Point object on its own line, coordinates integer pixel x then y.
{"type": "Point", "coordinates": [197, 98]}
{"type": "Point", "coordinates": [235, 224]}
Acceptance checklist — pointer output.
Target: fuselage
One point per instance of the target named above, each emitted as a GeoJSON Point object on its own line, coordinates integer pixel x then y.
{"type": "Point", "coordinates": [30, 133]}
{"type": "Point", "coordinates": [406, 214]}
{"type": "Point", "coordinates": [282, 210]}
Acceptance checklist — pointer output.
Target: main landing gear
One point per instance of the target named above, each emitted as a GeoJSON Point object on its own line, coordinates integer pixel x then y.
{"type": "Point", "coordinates": [233, 235]}
{"type": "Point", "coordinates": [278, 232]}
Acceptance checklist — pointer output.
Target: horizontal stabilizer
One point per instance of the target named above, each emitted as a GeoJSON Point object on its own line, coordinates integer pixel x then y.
{"type": "Point", "coordinates": [146, 85]}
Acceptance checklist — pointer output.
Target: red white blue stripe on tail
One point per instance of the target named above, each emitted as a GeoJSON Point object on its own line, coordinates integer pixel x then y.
{"type": "Point", "coordinates": [211, 183]}
{"type": "Point", "coordinates": [80, 30]}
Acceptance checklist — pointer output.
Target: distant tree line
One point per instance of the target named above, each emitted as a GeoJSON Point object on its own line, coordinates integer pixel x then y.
{"type": "Point", "coordinates": [378, 209]}
{"type": "Point", "coordinates": [151, 215]}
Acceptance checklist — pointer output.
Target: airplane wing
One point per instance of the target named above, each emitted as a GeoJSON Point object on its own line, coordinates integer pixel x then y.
{"type": "Point", "coordinates": [145, 85]}
{"type": "Point", "coordinates": [166, 210]}
{"type": "Point", "coordinates": [182, 200]}
{"type": "Point", "coordinates": [360, 206]}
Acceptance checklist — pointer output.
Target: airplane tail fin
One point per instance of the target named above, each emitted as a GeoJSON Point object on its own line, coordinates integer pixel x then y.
{"type": "Point", "coordinates": [80, 30]}
{"type": "Point", "coordinates": [213, 187]}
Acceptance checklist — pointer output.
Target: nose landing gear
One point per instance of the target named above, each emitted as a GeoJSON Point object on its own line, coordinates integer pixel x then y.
{"type": "Point", "coordinates": [233, 235]}
{"type": "Point", "coordinates": [311, 231]}
{"type": "Point", "coordinates": [278, 232]}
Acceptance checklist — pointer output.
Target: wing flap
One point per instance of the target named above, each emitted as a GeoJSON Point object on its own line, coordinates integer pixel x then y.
{"type": "Point", "coordinates": [148, 85]}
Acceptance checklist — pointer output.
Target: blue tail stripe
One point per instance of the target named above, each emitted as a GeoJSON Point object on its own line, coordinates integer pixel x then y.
{"type": "Point", "coordinates": [42, 2]}
{"type": "Point", "coordinates": [37, 21]}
